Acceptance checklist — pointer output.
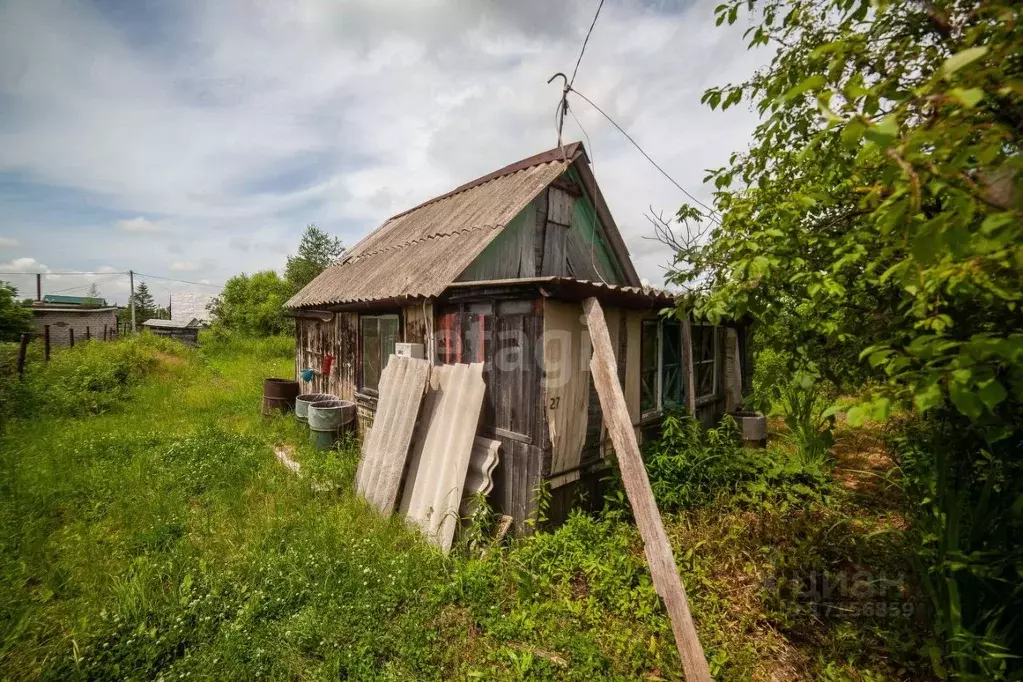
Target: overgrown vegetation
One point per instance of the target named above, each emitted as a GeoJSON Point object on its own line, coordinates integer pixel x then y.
{"type": "Point", "coordinates": [874, 231]}
{"type": "Point", "coordinates": [15, 318]}
{"type": "Point", "coordinates": [157, 536]}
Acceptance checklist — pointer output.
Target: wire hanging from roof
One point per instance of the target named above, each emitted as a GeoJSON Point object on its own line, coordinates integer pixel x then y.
{"type": "Point", "coordinates": [712, 214]}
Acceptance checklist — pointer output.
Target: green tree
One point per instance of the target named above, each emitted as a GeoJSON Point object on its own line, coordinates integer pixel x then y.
{"type": "Point", "coordinates": [316, 251]}
{"type": "Point", "coordinates": [253, 304]}
{"type": "Point", "coordinates": [874, 228]}
{"type": "Point", "coordinates": [145, 305]}
{"type": "Point", "coordinates": [15, 318]}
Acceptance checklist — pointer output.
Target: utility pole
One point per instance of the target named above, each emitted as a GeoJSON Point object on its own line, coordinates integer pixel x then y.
{"type": "Point", "coordinates": [131, 301]}
{"type": "Point", "coordinates": [39, 286]}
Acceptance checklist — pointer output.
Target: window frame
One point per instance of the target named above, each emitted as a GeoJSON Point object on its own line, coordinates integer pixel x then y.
{"type": "Point", "coordinates": [675, 327]}
{"type": "Point", "coordinates": [713, 361]}
{"type": "Point", "coordinates": [656, 408]}
{"type": "Point", "coordinates": [399, 334]}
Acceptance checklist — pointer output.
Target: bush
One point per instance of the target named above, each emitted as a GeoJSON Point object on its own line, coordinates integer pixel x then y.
{"type": "Point", "coordinates": [968, 494]}
{"type": "Point", "coordinates": [690, 466]}
{"type": "Point", "coordinates": [770, 370]}
{"type": "Point", "coordinates": [14, 317]}
{"type": "Point", "coordinates": [810, 417]}
{"type": "Point", "coordinates": [254, 304]}
{"type": "Point", "coordinates": [93, 377]}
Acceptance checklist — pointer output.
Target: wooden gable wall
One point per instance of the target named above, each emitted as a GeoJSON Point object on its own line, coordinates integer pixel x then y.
{"type": "Point", "coordinates": [558, 234]}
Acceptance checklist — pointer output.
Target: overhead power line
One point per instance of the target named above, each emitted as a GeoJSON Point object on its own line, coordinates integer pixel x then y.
{"type": "Point", "coordinates": [713, 215]}
{"type": "Point", "coordinates": [593, 23]}
{"type": "Point", "coordinates": [183, 281]}
{"type": "Point", "coordinates": [98, 283]}
{"type": "Point", "coordinates": [568, 82]}
{"type": "Point", "coordinates": [33, 274]}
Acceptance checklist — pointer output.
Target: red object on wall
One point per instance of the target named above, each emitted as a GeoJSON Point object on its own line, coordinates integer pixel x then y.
{"type": "Point", "coordinates": [328, 360]}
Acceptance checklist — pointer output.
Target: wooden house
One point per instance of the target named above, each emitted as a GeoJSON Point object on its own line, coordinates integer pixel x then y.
{"type": "Point", "coordinates": [495, 271]}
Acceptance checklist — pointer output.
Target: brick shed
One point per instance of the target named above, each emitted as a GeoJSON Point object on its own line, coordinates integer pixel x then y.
{"type": "Point", "coordinates": [79, 320]}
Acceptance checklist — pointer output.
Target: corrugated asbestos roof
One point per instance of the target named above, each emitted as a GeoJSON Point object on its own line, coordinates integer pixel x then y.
{"type": "Point", "coordinates": [420, 252]}
{"type": "Point", "coordinates": [171, 324]}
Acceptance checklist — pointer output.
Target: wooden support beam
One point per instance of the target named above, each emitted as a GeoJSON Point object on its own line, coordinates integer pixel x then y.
{"type": "Point", "coordinates": [687, 367]}
{"type": "Point", "coordinates": [46, 340]}
{"type": "Point", "coordinates": [22, 349]}
{"type": "Point", "coordinates": [637, 487]}
{"type": "Point", "coordinates": [71, 336]}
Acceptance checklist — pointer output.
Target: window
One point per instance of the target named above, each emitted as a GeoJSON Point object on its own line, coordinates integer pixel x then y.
{"type": "Point", "coordinates": [378, 334]}
{"type": "Point", "coordinates": [705, 360]}
{"type": "Point", "coordinates": [648, 379]}
{"type": "Point", "coordinates": [671, 364]}
{"type": "Point", "coordinates": [662, 382]}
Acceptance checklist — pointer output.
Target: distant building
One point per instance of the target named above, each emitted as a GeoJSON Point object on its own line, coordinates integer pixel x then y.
{"type": "Point", "coordinates": [186, 331]}
{"type": "Point", "coordinates": [188, 306]}
{"type": "Point", "coordinates": [73, 319]}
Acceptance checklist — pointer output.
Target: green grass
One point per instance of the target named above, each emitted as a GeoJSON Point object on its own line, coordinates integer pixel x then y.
{"type": "Point", "coordinates": [155, 536]}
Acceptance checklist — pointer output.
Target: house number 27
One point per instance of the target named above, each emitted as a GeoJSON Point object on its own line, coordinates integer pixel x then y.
{"type": "Point", "coordinates": [555, 401]}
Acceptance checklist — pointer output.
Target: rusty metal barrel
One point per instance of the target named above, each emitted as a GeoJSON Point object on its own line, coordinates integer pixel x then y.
{"type": "Point", "coordinates": [279, 395]}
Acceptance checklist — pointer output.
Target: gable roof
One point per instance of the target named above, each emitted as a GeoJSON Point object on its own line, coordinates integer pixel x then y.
{"type": "Point", "coordinates": [418, 253]}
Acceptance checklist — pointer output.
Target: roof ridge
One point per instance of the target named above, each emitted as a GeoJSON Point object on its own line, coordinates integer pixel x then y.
{"type": "Point", "coordinates": [564, 153]}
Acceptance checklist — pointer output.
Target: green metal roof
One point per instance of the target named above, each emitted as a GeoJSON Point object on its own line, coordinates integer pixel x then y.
{"type": "Point", "coordinates": [74, 300]}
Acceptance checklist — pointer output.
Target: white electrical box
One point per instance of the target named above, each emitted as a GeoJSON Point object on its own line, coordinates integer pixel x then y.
{"type": "Point", "coordinates": [409, 350]}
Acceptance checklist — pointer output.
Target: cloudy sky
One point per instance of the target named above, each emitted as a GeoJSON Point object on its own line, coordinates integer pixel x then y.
{"type": "Point", "coordinates": [195, 140]}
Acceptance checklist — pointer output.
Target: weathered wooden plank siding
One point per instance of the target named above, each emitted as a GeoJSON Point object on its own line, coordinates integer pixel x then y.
{"type": "Point", "coordinates": [560, 205]}
{"type": "Point", "coordinates": [314, 340]}
{"type": "Point", "coordinates": [566, 387]}
{"type": "Point", "coordinates": [633, 329]}
{"type": "Point", "coordinates": [512, 253]}
{"type": "Point", "coordinates": [347, 354]}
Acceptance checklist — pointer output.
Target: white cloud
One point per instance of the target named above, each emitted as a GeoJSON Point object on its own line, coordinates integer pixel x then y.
{"type": "Point", "coordinates": [248, 121]}
{"type": "Point", "coordinates": [25, 264]}
{"type": "Point", "coordinates": [9, 242]}
{"type": "Point", "coordinates": [137, 225]}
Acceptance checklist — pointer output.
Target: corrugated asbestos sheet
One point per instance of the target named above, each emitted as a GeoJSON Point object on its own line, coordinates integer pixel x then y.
{"type": "Point", "coordinates": [385, 450]}
{"type": "Point", "coordinates": [480, 477]}
{"type": "Point", "coordinates": [442, 451]}
{"type": "Point", "coordinates": [420, 252]}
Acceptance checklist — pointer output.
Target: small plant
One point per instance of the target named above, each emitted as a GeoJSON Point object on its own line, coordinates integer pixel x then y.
{"type": "Point", "coordinates": [809, 416]}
